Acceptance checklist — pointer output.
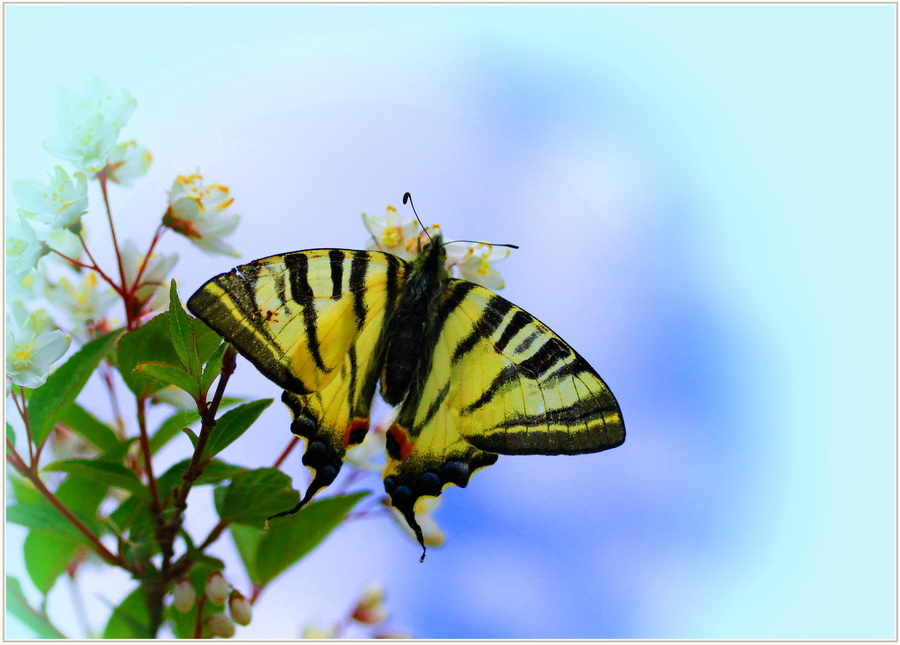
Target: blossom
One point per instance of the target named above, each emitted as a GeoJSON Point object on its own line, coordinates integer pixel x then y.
{"type": "Point", "coordinates": [29, 353]}
{"type": "Point", "coordinates": [369, 609]}
{"type": "Point", "coordinates": [199, 212]}
{"type": "Point", "coordinates": [392, 235]}
{"type": "Point", "coordinates": [84, 302]}
{"type": "Point", "coordinates": [89, 124]}
{"type": "Point", "coordinates": [477, 265]}
{"type": "Point", "coordinates": [217, 588]}
{"type": "Point", "coordinates": [59, 203]}
{"type": "Point", "coordinates": [23, 248]}
{"type": "Point", "coordinates": [153, 278]}
{"type": "Point", "coordinates": [184, 595]}
{"type": "Point", "coordinates": [128, 161]}
{"type": "Point", "coordinates": [220, 625]}
{"type": "Point", "coordinates": [29, 288]}
{"type": "Point", "coordinates": [65, 242]}
{"type": "Point", "coordinates": [240, 608]}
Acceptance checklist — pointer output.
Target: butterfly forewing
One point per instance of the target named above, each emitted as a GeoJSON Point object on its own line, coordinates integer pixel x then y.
{"type": "Point", "coordinates": [295, 316]}
{"type": "Point", "coordinates": [518, 387]}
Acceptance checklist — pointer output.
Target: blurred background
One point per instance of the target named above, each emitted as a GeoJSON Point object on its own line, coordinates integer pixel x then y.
{"type": "Point", "coordinates": [704, 197]}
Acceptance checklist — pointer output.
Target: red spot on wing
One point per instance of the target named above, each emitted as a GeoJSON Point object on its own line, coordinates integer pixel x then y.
{"type": "Point", "coordinates": [356, 424]}
{"type": "Point", "coordinates": [401, 438]}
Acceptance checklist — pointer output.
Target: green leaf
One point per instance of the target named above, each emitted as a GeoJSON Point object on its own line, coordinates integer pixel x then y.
{"type": "Point", "coordinates": [233, 424]}
{"type": "Point", "coordinates": [213, 367]}
{"type": "Point", "coordinates": [290, 538]}
{"type": "Point", "coordinates": [184, 340]}
{"type": "Point", "coordinates": [53, 397]}
{"type": "Point", "coordinates": [103, 472]}
{"type": "Point", "coordinates": [44, 517]}
{"type": "Point", "coordinates": [46, 556]}
{"type": "Point", "coordinates": [254, 495]}
{"type": "Point", "coordinates": [82, 422]}
{"type": "Point", "coordinates": [24, 491]}
{"type": "Point", "coordinates": [170, 375]}
{"type": "Point", "coordinates": [130, 618]}
{"type": "Point", "coordinates": [10, 434]}
{"type": "Point", "coordinates": [152, 342]}
{"type": "Point", "coordinates": [17, 605]}
{"type": "Point", "coordinates": [246, 539]}
{"type": "Point", "coordinates": [216, 471]}
{"type": "Point", "coordinates": [192, 436]}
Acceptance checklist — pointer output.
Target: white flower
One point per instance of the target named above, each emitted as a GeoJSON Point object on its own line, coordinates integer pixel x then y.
{"type": "Point", "coordinates": [199, 212]}
{"type": "Point", "coordinates": [64, 241]}
{"type": "Point", "coordinates": [477, 265]}
{"type": "Point", "coordinates": [59, 203]}
{"type": "Point", "coordinates": [23, 248]}
{"type": "Point", "coordinates": [128, 161]}
{"type": "Point", "coordinates": [29, 288]}
{"type": "Point", "coordinates": [84, 302]}
{"type": "Point", "coordinates": [29, 353]}
{"type": "Point", "coordinates": [392, 235]}
{"type": "Point", "coordinates": [89, 124]}
{"type": "Point", "coordinates": [153, 279]}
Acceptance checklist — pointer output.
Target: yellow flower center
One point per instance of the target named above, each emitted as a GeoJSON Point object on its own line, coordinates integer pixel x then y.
{"type": "Point", "coordinates": [483, 268]}
{"type": "Point", "coordinates": [392, 236]}
{"type": "Point", "coordinates": [22, 353]}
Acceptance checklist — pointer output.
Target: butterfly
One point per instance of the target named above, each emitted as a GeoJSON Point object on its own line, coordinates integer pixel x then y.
{"type": "Point", "coordinates": [472, 375]}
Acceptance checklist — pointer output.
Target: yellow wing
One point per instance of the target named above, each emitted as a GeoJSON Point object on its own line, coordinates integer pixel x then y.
{"type": "Point", "coordinates": [500, 381]}
{"type": "Point", "coordinates": [295, 316]}
{"type": "Point", "coordinates": [311, 321]}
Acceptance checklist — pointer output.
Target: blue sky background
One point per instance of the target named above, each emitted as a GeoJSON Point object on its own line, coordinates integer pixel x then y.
{"type": "Point", "coordinates": [704, 197]}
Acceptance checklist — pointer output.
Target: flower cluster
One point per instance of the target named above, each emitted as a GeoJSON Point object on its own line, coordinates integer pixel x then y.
{"type": "Point", "coordinates": [218, 592]}
{"type": "Point", "coordinates": [51, 221]}
{"type": "Point", "coordinates": [403, 238]}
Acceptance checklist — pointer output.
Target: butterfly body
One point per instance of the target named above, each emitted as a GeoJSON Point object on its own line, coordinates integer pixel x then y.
{"type": "Point", "coordinates": [472, 375]}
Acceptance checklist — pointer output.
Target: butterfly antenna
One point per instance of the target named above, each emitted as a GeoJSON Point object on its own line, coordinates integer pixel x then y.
{"type": "Point", "coordinates": [408, 198]}
{"type": "Point", "coordinates": [509, 246]}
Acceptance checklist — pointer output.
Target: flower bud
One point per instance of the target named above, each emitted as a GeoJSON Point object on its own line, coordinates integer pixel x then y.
{"type": "Point", "coordinates": [240, 608]}
{"type": "Point", "coordinates": [313, 631]}
{"type": "Point", "coordinates": [217, 588]}
{"type": "Point", "coordinates": [185, 596]}
{"type": "Point", "coordinates": [369, 609]}
{"type": "Point", "coordinates": [220, 625]}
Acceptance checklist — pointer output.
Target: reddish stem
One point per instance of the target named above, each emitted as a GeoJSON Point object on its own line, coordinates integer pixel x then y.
{"type": "Point", "coordinates": [137, 281]}
{"type": "Point", "coordinates": [101, 176]}
{"type": "Point", "coordinates": [287, 451]}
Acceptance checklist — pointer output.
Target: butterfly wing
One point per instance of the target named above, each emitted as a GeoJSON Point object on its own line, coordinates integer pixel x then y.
{"type": "Point", "coordinates": [500, 381]}
{"type": "Point", "coordinates": [311, 321]}
{"type": "Point", "coordinates": [295, 316]}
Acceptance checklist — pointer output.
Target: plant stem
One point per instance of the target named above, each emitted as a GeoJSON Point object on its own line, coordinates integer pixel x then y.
{"type": "Point", "coordinates": [286, 452]}
{"type": "Point", "coordinates": [148, 455]}
{"type": "Point", "coordinates": [101, 176]}
{"type": "Point", "coordinates": [140, 274]}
